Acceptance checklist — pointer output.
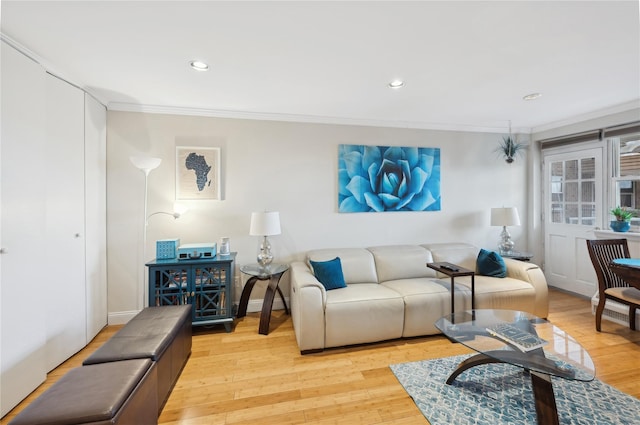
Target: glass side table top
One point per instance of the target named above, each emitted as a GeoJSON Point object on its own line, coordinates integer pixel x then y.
{"type": "Point", "coordinates": [560, 356]}
{"type": "Point", "coordinates": [259, 271]}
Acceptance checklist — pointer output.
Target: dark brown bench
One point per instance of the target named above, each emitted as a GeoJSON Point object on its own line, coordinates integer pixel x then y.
{"type": "Point", "coordinates": [126, 381]}
{"type": "Point", "coordinates": [108, 393]}
{"type": "Point", "coordinates": [162, 334]}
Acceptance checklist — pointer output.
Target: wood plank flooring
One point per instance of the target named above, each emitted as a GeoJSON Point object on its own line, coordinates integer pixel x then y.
{"type": "Point", "coordinates": [243, 377]}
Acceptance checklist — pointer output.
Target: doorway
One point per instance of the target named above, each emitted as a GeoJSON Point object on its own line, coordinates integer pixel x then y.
{"type": "Point", "coordinates": [573, 209]}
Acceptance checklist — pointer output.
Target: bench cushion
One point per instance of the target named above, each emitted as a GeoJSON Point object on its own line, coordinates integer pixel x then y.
{"type": "Point", "coordinates": [147, 335]}
{"type": "Point", "coordinates": [120, 392]}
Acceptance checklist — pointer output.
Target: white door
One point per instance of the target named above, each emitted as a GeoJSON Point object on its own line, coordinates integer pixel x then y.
{"type": "Point", "coordinates": [95, 148]}
{"type": "Point", "coordinates": [573, 200]}
{"type": "Point", "coordinates": [23, 274]}
{"type": "Point", "coordinates": [65, 234]}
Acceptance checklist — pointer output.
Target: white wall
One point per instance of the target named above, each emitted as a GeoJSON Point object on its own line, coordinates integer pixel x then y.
{"type": "Point", "coordinates": [290, 168]}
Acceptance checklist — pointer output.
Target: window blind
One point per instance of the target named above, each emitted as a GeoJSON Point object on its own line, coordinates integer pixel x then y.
{"type": "Point", "coordinates": [591, 135]}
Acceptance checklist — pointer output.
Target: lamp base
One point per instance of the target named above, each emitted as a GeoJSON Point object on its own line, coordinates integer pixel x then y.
{"type": "Point", "coordinates": [265, 257]}
{"type": "Point", "coordinates": [506, 245]}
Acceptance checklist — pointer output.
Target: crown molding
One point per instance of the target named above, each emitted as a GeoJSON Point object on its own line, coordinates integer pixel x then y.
{"type": "Point", "coordinates": [217, 113]}
{"type": "Point", "coordinates": [48, 67]}
{"type": "Point", "coordinates": [616, 109]}
{"type": "Point", "coordinates": [261, 116]}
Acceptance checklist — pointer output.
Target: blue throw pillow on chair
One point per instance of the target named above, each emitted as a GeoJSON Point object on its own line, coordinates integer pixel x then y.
{"type": "Point", "coordinates": [490, 263]}
{"type": "Point", "coordinates": [329, 273]}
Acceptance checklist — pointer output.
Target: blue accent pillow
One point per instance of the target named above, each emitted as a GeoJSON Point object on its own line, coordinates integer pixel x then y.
{"type": "Point", "coordinates": [490, 263]}
{"type": "Point", "coordinates": [329, 273]}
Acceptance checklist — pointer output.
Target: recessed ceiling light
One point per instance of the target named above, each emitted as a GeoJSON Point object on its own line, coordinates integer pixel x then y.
{"type": "Point", "coordinates": [532, 96]}
{"type": "Point", "coordinates": [199, 65]}
{"type": "Point", "coordinates": [396, 84]}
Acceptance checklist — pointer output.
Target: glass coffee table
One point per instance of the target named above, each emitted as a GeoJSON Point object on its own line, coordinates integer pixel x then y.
{"type": "Point", "coordinates": [524, 340]}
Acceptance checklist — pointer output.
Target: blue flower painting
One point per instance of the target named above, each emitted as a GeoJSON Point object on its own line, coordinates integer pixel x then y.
{"type": "Point", "coordinates": [388, 178]}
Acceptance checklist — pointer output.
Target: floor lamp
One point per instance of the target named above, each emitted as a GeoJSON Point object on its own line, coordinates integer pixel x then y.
{"type": "Point", "coordinates": [144, 164]}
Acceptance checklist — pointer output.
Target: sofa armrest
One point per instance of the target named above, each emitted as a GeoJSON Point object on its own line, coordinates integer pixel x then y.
{"type": "Point", "coordinates": [308, 299]}
{"type": "Point", "coordinates": [531, 273]}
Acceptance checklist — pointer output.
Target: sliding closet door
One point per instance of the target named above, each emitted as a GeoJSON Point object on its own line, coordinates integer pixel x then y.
{"type": "Point", "coordinates": [95, 148]}
{"type": "Point", "coordinates": [65, 228]}
{"type": "Point", "coordinates": [23, 274]}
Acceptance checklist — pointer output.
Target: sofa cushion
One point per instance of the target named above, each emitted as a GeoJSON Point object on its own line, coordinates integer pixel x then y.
{"type": "Point", "coordinates": [362, 313]}
{"type": "Point", "coordinates": [506, 294]}
{"type": "Point", "coordinates": [329, 273]}
{"type": "Point", "coordinates": [490, 263]}
{"type": "Point", "coordinates": [426, 300]}
{"type": "Point", "coordinates": [402, 262]}
{"type": "Point", "coordinates": [462, 254]}
{"type": "Point", "coordinates": [358, 265]}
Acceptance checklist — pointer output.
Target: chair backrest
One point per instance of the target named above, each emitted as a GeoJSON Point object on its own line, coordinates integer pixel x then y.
{"type": "Point", "coordinates": [602, 252]}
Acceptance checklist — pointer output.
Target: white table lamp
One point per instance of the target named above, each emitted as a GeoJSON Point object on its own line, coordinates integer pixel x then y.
{"type": "Point", "coordinates": [505, 217]}
{"type": "Point", "coordinates": [265, 224]}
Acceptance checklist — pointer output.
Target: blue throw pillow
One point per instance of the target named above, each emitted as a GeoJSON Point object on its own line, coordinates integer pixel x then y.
{"type": "Point", "coordinates": [490, 263]}
{"type": "Point", "coordinates": [329, 273]}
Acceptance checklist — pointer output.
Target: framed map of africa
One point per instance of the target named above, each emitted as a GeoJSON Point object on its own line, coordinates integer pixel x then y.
{"type": "Point", "coordinates": [197, 173]}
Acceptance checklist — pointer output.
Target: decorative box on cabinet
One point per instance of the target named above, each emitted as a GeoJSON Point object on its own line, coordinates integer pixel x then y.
{"type": "Point", "coordinates": [205, 284]}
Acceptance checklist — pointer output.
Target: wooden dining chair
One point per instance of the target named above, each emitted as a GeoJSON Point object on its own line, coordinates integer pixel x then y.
{"type": "Point", "coordinates": [610, 285]}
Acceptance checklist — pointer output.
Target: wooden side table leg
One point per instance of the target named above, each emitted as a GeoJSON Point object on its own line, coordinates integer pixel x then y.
{"type": "Point", "coordinates": [244, 298]}
{"type": "Point", "coordinates": [267, 306]}
{"type": "Point", "coordinates": [286, 309]}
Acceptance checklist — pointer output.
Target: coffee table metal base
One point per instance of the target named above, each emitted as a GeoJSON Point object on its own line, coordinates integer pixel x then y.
{"type": "Point", "coordinates": [545, 400]}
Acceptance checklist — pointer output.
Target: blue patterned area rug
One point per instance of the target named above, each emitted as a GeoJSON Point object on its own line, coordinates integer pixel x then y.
{"type": "Point", "coordinates": [496, 394]}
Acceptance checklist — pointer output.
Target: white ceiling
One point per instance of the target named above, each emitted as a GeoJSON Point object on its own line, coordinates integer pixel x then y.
{"type": "Point", "coordinates": [466, 65]}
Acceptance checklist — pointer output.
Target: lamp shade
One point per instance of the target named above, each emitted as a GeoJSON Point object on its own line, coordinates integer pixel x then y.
{"type": "Point", "coordinates": [265, 223]}
{"type": "Point", "coordinates": [505, 216]}
{"type": "Point", "coordinates": [145, 163]}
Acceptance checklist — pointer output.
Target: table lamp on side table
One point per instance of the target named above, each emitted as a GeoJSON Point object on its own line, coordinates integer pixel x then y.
{"type": "Point", "coordinates": [505, 217]}
{"type": "Point", "coordinates": [266, 223]}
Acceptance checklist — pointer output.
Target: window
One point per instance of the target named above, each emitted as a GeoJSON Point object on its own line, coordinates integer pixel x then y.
{"type": "Point", "coordinates": [626, 173]}
{"type": "Point", "coordinates": [573, 191]}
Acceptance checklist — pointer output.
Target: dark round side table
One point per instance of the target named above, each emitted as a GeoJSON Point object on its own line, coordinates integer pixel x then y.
{"type": "Point", "coordinates": [273, 273]}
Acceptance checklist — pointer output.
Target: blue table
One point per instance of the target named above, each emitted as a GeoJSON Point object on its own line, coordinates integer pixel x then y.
{"type": "Point", "coordinates": [628, 269]}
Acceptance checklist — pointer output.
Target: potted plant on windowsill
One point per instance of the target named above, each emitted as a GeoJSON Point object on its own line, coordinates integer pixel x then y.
{"type": "Point", "coordinates": [622, 223]}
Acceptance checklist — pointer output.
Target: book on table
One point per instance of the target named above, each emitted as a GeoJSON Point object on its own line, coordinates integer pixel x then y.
{"type": "Point", "coordinates": [518, 337]}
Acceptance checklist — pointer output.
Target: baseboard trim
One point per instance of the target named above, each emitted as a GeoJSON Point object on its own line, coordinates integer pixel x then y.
{"type": "Point", "coordinates": [256, 305]}
{"type": "Point", "coordinates": [121, 317]}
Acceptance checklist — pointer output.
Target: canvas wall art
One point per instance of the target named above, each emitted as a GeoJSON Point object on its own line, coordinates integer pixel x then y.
{"type": "Point", "coordinates": [197, 173]}
{"type": "Point", "coordinates": [388, 178]}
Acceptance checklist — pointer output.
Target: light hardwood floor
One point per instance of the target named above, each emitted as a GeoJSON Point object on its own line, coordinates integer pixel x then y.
{"type": "Point", "coordinates": [246, 378]}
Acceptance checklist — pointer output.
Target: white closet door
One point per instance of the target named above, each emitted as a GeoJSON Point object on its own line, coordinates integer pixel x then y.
{"type": "Point", "coordinates": [95, 142]}
{"type": "Point", "coordinates": [23, 272]}
{"type": "Point", "coordinates": [65, 227]}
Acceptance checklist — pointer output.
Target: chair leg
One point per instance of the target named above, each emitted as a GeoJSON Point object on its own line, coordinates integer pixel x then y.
{"type": "Point", "coordinates": [632, 317]}
{"type": "Point", "coordinates": [599, 311]}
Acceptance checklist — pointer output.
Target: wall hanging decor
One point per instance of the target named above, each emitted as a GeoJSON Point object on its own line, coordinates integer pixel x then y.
{"type": "Point", "coordinates": [197, 173]}
{"type": "Point", "coordinates": [388, 178]}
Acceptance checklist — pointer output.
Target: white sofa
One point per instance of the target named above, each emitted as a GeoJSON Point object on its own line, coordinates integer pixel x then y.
{"type": "Point", "coordinates": [391, 293]}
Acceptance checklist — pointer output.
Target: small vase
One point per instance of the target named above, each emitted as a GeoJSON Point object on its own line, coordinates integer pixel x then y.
{"type": "Point", "coordinates": [224, 247]}
{"type": "Point", "coordinates": [620, 226]}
